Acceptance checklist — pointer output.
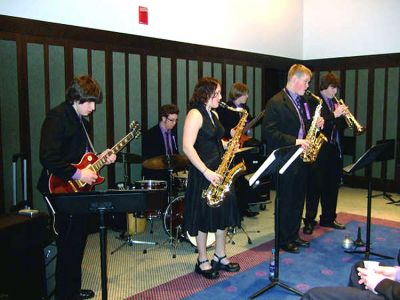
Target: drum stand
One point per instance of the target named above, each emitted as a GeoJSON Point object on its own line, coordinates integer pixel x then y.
{"type": "Point", "coordinates": [130, 241]}
{"type": "Point", "coordinates": [233, 230]}
{"type": "Point", "coordinates": [174, 241]}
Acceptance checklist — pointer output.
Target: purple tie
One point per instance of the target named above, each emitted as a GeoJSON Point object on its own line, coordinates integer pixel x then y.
{"type": "Point", "coordinates": [168, 139]}
{"type": "Point", "coordinates": [299, 106]}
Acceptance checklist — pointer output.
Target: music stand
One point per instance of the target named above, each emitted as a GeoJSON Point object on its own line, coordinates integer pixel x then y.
{"type": "Point", "coordinates": [275, 163]}
{"type": "Point", "coordinates": [102, 202]}
{"type": "Point", "coordinates": [373, 154]}
{"type": "Point", "coordinates": [387, 155]}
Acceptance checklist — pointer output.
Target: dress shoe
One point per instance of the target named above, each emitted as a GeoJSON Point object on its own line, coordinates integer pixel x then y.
{"type": "Point", "coordinates": [334, 225]}
{"type": "Point", "coordinates": [218, 265]}
{"type": "Point", "coordinates": [301, 243]}
{"type": "Point", "coordinates": [248, 213]}
{"type": "Point", "coordinates": [209, 274]}
{"type": "Point", "coordinates": [308, 226]}
{"type": "Point", "coordinates": [86, 294]}
{"type": "Point", "coordinates": [291, 248]}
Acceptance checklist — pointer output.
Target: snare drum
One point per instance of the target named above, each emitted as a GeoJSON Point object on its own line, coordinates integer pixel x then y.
{"type": "Point", "coordinates": [151, 185]}
{"type": "Point", "coordinates": [173, 223]}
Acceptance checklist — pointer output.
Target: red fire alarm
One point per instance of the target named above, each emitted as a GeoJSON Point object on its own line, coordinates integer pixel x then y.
{"type": "Point", "coordinates": [143, 15]}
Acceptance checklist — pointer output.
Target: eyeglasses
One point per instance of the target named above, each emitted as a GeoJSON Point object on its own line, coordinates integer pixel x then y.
{"type": "Point", "coordinates": [172, 120]}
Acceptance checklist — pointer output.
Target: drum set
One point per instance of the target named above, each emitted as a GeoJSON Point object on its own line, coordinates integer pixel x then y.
{"type": "Point", "coordinates": [172, 215]}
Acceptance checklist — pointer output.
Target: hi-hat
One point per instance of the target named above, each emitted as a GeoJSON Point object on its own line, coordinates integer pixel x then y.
{"type": "Point", "coordinates": [129, 158]}
{"type": "Point", "coordinates": [165, 162]}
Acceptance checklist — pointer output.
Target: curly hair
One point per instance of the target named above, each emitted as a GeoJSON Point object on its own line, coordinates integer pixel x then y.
{"type": "Point", "coordinates": [203, 91]}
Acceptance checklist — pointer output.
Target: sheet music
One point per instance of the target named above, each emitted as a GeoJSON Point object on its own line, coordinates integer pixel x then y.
{"type": "Point", "coordinates": [260, 170]}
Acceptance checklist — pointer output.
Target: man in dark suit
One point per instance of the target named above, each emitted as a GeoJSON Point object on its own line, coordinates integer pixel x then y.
{"type": "Point", "coordinates": [64, 140]}
{"type": "Point", "coordinates": [161, 139]}
{"type": "Point", "coordinates": [324, 175]}
{"type": "Point", "coordinates": [286, 123]}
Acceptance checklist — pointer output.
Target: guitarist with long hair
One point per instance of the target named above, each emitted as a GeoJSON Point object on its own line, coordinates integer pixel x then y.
{"type": "Point", "coordinates": [64, 140]}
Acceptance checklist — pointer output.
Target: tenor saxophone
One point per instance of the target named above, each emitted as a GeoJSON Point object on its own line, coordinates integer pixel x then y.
{"type": "Point", "coordinates": [215, 195]}
{"type": "Point", "coordinates": [316, 140]}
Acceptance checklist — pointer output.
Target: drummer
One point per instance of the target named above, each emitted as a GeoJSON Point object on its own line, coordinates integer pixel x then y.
{"type": "Point", "coordinates": [161, 139]}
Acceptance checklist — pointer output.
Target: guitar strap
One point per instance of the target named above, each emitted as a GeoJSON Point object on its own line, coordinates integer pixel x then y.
{"type": "Point", "coordinates": [88, 138]}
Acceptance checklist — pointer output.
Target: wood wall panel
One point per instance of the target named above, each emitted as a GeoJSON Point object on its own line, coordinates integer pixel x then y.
{"type": "Point", "coordinates": [139, 74]}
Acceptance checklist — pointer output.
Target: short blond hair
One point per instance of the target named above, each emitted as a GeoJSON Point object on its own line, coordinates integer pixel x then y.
{"type": "Point", "coordinates": [298, 70]}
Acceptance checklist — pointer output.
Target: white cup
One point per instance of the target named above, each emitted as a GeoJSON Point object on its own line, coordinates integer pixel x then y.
{"type": "Point", "coordinates": [371, 265]}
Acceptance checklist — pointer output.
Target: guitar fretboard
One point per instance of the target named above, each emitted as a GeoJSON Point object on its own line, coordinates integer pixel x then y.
{"type": "Point", "coordinates": [117, 147]}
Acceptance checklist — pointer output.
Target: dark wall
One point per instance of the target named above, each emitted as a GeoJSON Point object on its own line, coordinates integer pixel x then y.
{"type": "Point", "coordinates": [139, 74]}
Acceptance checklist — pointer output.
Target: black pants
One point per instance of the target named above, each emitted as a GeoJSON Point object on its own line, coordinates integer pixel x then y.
{"type": "Point", "coordinates": [71, 242]}
{"type": "Point", "coordinates": [354, 291]}
{"type": "Point", "coordinates": [323, 184]}
{"type": "Point", "coordinates": [291, 194]}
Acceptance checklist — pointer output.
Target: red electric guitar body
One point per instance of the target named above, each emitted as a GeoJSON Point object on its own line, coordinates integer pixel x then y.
{"type": "Point", "coordinates": [90, 161]}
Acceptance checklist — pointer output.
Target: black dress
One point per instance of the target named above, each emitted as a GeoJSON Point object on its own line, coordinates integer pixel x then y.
{"type": "Point", "coordinates": [198, 216]}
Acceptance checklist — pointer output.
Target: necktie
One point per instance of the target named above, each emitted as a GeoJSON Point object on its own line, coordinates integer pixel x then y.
{"type": "Point", "coordinates": [334, 134]}
{"type": "Point", "coordinates": [331, 106]}
{"type": "Point", "coordinates": [168, 140]}
{"type": "Point", "coordinates": [299, 106]}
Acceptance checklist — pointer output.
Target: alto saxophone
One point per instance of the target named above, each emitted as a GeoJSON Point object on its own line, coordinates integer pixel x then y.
{"type": "Point", "coordinates": [316, 140]}
{"type": "Point", "coordinates": [215, 195]}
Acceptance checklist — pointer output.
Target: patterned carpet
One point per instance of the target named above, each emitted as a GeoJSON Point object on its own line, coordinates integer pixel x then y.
{"type": "Point", "coordinates": [156, 275]}
{"type": "Point", "coordinates": [228, 287]}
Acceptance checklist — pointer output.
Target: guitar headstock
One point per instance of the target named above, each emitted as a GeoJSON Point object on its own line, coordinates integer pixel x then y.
{"type": "Point", "coordinates": [134, 127]}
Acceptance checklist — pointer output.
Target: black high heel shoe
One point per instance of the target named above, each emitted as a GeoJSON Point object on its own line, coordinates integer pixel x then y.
{"type": "Point", "coordinates": [218, 265]}
{"type": "Point", "coordinates": [209, 274]}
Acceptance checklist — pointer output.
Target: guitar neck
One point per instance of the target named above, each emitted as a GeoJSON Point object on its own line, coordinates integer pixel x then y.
{"type": "Point", "coordinates": [117, 147]}
{"type": "Point", "coordinates": [254, 121]}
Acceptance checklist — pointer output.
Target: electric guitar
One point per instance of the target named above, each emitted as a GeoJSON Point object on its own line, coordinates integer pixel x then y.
{"type": "Point", "coordinates": [91, 161]}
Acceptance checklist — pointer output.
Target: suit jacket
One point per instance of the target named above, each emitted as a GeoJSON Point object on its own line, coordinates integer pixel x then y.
{"type": "Point", "coordinates": [153, 145]}
{"type": "Point", "coordinates": [63, 141]}
{"type": "Point", "coordinates": [153, 142]}
{"type": "Point", "coordinates": [281, 123]}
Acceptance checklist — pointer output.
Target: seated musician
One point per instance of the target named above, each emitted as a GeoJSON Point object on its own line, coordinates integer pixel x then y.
{"type": "Point", "coordinates": [161, 140]}
{"type": "Point", "coordinates": [64, 140]}
{"type": "Point", "coordinates": [238, 95]}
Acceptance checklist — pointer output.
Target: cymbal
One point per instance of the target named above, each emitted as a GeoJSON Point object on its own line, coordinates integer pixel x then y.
{"type": "Point", "coordinates": [129, 158]}
{"type": "Point", "coordinates": [244, 149]}
{"type": "Point", "coordinates": [165, 162]}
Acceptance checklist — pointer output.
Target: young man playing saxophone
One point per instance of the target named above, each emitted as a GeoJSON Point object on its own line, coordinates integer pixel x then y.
{"type": "Point", "coordinates": [286, 123]}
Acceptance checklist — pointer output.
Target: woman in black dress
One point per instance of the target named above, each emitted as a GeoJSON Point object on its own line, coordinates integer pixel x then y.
{"type": "Point", "coordinates": [202, 144]}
